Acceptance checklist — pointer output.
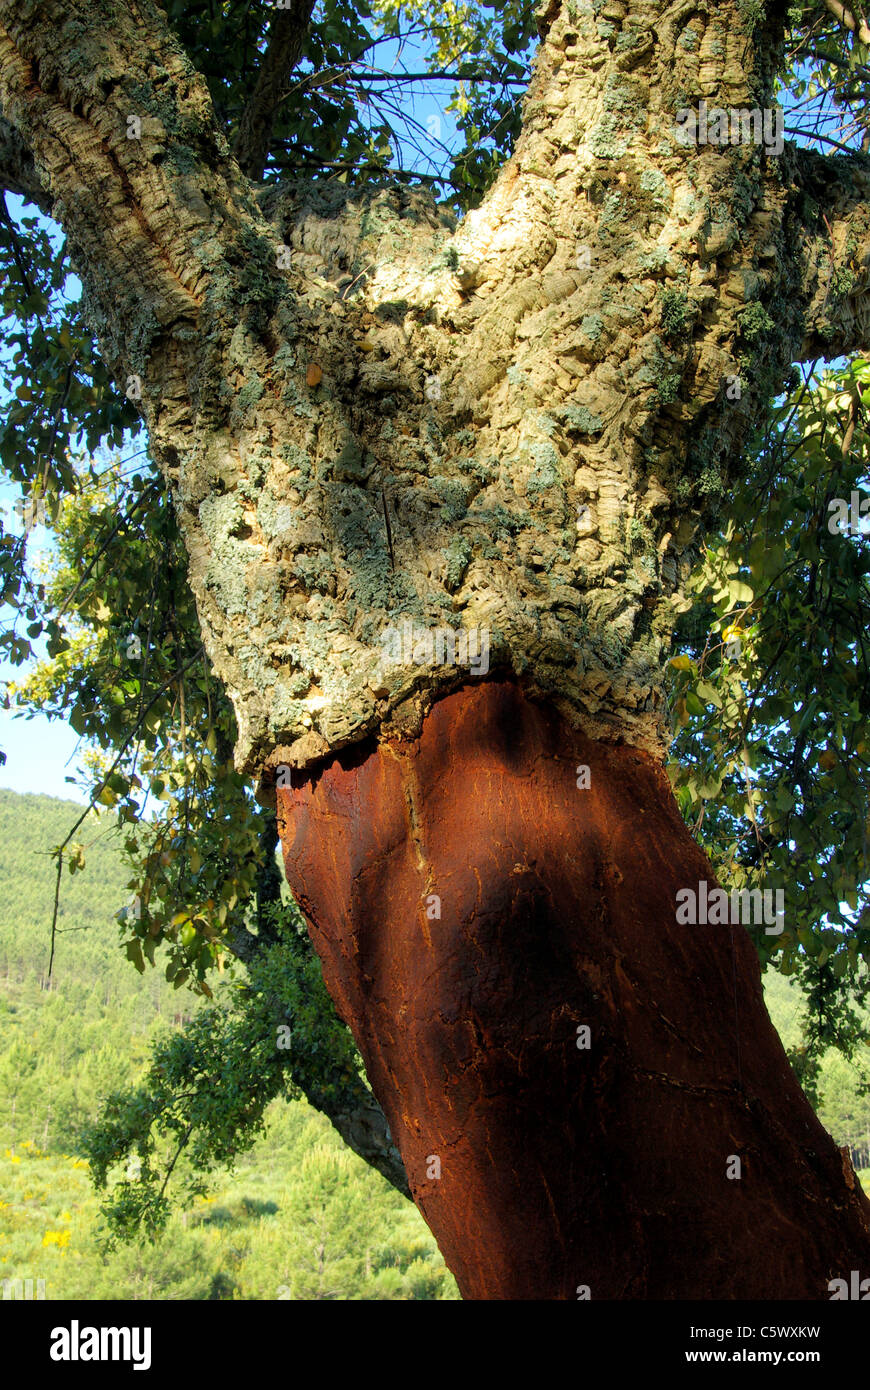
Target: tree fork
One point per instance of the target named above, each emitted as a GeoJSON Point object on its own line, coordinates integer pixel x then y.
{"type": "Point", "coordinates": [541, 1165]}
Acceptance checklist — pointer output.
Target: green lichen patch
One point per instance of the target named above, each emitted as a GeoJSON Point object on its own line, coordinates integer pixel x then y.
{"type": "Point", "coordinates": [453, 496]}
{"type": "Point", "coordinates": [654, 183]}
{"type": "Point", "coordinates": [678, 315]}
{"type": "Point", "coordinates": [546, 473]}
{"type": "Point", "coordinates": [607, 140]}
{"type": "Point", "coordinates": [458, 556]}
{"type": "Point", "coordinates": [753, 321]}
{"type": "Point", "coordinates": [316, 572]}
{"type": "Point", "coordinates": [580, 420]}
{"type": "Point", "coordinates": [751, 14]}
{"type": "Point", "coordinates": [352, 464]}
{"type": "Point", "coordinates": [247, 397]}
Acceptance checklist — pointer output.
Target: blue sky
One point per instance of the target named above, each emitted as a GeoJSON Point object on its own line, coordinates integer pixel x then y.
{"type": "Point", "coordinates": [40, 752]}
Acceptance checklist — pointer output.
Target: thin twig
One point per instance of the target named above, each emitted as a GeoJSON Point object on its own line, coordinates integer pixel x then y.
{"type": "Point", "coordinates": [90, 806]}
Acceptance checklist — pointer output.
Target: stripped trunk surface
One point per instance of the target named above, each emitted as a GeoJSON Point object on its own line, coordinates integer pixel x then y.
{"type": "Point", "coordinates": [475, 910]}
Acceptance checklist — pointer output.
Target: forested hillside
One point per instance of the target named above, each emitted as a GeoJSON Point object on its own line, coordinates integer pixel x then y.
{"type": "Point", "coordinates": [301, 1218]}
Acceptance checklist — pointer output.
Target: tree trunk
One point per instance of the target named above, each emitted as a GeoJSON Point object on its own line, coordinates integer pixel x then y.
{"type": "Point", "coordinates": [476, 910]}
{"type": "Point", "coordinates": [373, 420]}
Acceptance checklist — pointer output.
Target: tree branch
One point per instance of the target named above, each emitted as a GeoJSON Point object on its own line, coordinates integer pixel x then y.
{"type": "Point", "coordinates": [846, 17]}
{"type": "Point", "coordinates": [286, 38]}
{"type": "Point", "coordinates": [358, 1118]}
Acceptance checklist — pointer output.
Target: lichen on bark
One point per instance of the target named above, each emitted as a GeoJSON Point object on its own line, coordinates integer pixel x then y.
{"type": "Point", "coordinates": [371, 415]}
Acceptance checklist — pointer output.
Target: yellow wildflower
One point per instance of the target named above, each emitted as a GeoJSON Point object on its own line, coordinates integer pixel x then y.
{"type": "Point", "coordinates": [59, 1238]}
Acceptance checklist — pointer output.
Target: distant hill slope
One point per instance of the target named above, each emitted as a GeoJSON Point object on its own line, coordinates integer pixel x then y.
{"type": "Point", "coordinates": [30, 827]}
{"type": "Point", "coordinates": [65, 1041]}
{"type": "Point", "coordinates": [301, 1217]}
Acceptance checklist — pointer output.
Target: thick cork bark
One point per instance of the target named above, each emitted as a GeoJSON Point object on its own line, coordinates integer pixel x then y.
{"type": "Point", "coordinates": [369, 413]}
{"type": "Point", "coordinates": [546, 1168]}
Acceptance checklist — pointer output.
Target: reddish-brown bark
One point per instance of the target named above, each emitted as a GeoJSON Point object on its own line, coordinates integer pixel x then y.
{"type": "Point", "coordinates": [562, 1167]}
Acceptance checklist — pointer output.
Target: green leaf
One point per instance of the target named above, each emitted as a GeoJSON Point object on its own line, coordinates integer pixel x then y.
{"type": "Point", "coordinates": [709, 693]}
{"type": "Point", "coordinates": [738, 592]}
{"type": "Point", "coordinates": [133, 953]}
